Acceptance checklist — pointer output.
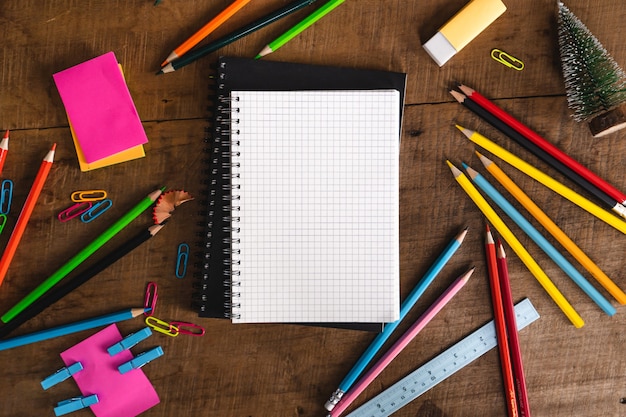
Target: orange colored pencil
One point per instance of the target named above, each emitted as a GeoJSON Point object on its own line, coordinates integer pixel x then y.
{"type": "Point", "coordinates": [205, 30]}
{"type": "Point", "coordinates": [4, 149]}
{"type": "Point", "coordinates": [27, 210]}
{"type": "Point", "coordinates": [500, 323]}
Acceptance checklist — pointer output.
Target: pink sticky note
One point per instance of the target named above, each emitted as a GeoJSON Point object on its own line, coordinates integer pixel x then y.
{"type": "Point", "coordinates": [100, 108]}
{"type": "Point", "coordinates": [119, 395]}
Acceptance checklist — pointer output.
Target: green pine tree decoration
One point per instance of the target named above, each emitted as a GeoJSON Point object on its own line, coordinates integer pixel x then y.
{"type": "Point", "coordinates": [594, 83]}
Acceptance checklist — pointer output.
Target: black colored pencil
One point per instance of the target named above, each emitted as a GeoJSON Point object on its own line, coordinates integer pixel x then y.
{"type": "Point", "coordinates": [540, 153]}
{"type": "Point", "coordinates": [56, 294]}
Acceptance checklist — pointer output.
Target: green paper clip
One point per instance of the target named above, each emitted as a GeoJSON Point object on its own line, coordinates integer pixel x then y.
{"type": "Point", "coordinates": [3, 221]}
{"type": "Point", "coordinates": [506, 59]}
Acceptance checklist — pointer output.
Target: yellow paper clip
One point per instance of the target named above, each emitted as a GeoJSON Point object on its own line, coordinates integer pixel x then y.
{"type": "Point", "coordinates": [506, 59]}
{"type": "Point", "coordinates": [88, 195]}
{"type": "Point", "coordinates": [162, 326]}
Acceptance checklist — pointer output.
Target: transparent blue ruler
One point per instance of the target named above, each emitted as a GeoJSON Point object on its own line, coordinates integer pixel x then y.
{"type": "Point", "coordinates": [441, 367]}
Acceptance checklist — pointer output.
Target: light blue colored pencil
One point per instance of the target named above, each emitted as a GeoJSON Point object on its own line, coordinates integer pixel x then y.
{"type": "Point", "coordinates": [541, 241]}
{"type": "Point", "coordinates": [71, 328]}
{"type": "Point", "coordinates": [406, 305]}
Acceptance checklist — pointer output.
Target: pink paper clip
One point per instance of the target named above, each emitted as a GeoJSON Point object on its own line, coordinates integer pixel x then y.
{"type": "Point", "coordinates": [74, 211]}
{"type": "Point", "coordinates": [151, 298]}
{"type": "Point", "coordinates": [190, 329]}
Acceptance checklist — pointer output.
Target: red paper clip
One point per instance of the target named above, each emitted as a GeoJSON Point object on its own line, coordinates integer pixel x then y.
{"type": "Point", "coordinates": [151, 299]}
{"type": "Point", "coordinates": [74, 211]}
{"type": "Point", "coordinates": [190, 329]}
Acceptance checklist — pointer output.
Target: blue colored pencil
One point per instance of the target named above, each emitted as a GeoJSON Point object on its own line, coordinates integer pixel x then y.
{"type": "Point", "coordinates": [71, 328]}
{"type": "Point", "coordinates": [541, 241]}
{"type": "Point", "coordinates": [406, 305]}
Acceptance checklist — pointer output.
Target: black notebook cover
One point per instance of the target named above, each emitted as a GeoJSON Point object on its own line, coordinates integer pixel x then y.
{"type": "Point", "coordinates": [213, 298]}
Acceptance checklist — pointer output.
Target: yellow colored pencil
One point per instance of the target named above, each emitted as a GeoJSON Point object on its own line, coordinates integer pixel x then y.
{"type": "Point", "coordinates": [517, 247]}
{"type": "Point", "coordinates": [553, 229]}
{"type": "Point", "coordinates": [545, 179]}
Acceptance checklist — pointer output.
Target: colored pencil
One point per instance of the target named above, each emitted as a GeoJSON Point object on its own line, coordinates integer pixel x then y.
{"type": "Point", "coordinates": [299, 28]}
{"type": "Point", "coordinates": [406, 306]}
{"type": "Point", "coordinates": [511, 326]}
{"type": "Point", "coordinates": [4, 149]}
{"type": "Point", "coordinates": [205, 30]}
{"type": "Point", "coordinates": [81, 256]}
{"type": "Point", "coordinates": [500, 324]}
{"type": "Point", "coordinates": [543, 143]}
{"type": "Point", "coordinates": [541, 241]}
{"type": "Point", "coordinates": [545, 179]}
{"type": "Point", "coordinates": [70, 328]}
{"type": "Point", "coordinates": [553, 229]}
{"type": "Point", "coordinates": [200, 52]}
{"type": "Point", "coordinates": [546, 157]}
{"type": "Point", "coordinates": [516, 245]}
{"type": "Point", "coordinates": [402, 342]}
{"type": "Point", "coordinates": [57, 293]}
{"type": "Point", "coordinates": [27, 210]}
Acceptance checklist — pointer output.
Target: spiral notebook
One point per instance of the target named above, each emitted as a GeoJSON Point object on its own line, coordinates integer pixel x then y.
{"type": "Point", "coordinates": [302, 217]}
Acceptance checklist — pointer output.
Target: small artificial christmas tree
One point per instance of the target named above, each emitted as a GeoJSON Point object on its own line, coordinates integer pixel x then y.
{"type": "Point", "coordinates": [595, 84]}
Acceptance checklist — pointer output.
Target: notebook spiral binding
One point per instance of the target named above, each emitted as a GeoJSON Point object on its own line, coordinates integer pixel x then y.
{"type": "Point", "coordinates": [215, 296]}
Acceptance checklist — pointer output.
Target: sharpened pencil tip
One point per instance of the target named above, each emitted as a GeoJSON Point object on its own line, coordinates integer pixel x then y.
{"type": "Point", "coordinates": [54, 146]}
{"type": "Point", "coordinates": [464, 165]}
{"type": "Point", "coordinates": [159, 72]}
{"type": "Point", "coordinates": [461, 236]}
{"type": "Point", "coordinates": [258, 56]}
{"type": "Point", "coordinates": [6, 135]}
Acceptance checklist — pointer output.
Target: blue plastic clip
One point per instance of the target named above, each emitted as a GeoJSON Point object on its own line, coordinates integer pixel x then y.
{"type": "Point", "coordinates": [141, 360]}
{"type": "Point", "coordinates": [96, 210]}
{"type": "Point", "coordinates": [129, 341]}
{"type": "Point", "coordinates": [75, 404]}
{"type": "Point", "coordinates": [6, 195]}
{"type": "Point", "coordinates": [61, 375]}
{"type": "Point", "coordinates": [181, 260]}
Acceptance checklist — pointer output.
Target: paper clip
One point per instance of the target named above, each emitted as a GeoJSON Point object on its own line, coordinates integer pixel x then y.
{"type": "Point", "coordinates": [74, 211]}
{"type": "Point", "coordinates": [161, 326]}
{"type": "Point", "coordinates": [129, 341]}
{"type": "Point", "coordinates": [150, 299]}
{"type": "Point", "coordinates": [181, 260]}
{"type": "Point", "coordinates": [506, 59]}
{"type": "Point", "coordinates": [96, 210]}
{"type": "Point", "coordinates": [6, 195]}
{"type": "Point", "coordinates": [3, 221]}
{"type": "Point", "coordinates": [88, 195]}
{"type": "Point", "coordinates": [190, 329]}
{"type": "Point", "coordinates": [61, 375]}
{"type": "Point", "coordinates": [141, 360]}
{"type": "Point", "coordinates": [75, 404]}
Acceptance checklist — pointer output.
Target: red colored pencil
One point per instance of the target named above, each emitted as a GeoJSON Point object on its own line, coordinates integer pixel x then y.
{"type": "Point", "coordinates": [511, 325]}
{"type": "Point", "coordinates": [4, 149]}
{"type": "Point", "coordinates": [500, 323]}
{"type": "Point", "coordinates": [535, 138]}
{"type": "Point", "coordinates": [27, 210]}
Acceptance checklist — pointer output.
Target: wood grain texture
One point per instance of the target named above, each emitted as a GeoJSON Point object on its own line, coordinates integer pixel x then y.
{"type": "Point", "coordinates": [289, 370]}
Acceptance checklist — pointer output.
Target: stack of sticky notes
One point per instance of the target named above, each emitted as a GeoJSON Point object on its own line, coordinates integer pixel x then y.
{"type": "Point", "coordinates": [105, 126]}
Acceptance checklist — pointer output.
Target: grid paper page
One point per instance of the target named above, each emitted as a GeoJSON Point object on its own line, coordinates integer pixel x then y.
{"type": "Point", "coordinates": [318, 223]}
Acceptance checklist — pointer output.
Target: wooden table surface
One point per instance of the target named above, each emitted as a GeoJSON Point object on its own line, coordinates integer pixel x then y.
{"type": "Point", "coordinates": [290, 370]}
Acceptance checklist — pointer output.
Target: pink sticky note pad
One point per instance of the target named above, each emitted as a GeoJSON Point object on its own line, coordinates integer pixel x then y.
{"type": "Point", "coordinates": [119, 395]}
{"type": "Point", "coordinates": [100, 107]}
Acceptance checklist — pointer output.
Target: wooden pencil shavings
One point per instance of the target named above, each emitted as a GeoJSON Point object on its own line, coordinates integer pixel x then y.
{"type": "Point", "coordinates": [167, 203]}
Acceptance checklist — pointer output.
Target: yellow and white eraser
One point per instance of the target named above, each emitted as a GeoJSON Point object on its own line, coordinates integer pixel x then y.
{"type": "Point", "coordinates": [464, 26]}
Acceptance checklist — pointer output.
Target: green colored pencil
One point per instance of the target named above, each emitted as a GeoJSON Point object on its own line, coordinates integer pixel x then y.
{"type": "Point", "coordinates": [81, 256]}
{"type": "Point", "coordinates": [299, 28]}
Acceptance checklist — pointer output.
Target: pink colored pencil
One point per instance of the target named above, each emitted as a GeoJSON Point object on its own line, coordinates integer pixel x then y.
{"type": "Point", "coordinates": [404, 340]}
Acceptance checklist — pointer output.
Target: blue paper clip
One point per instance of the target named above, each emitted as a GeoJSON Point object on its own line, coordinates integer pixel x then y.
{"type": "Point", "coordinates": [129, 341]}
{"type": "Point", "coordinates": [61, 375]}
{"type": "Point", "coordinates": [74, 211]}
{"type": "Point", "coordinates": [181, 260]}
{"type": "Point", "coordinates": [96, 210]}
{"type": "Point", "coordinates": [3, 221]}
{"type": "Point", "coordinates": [75, 404]}
{"type": "Point", "coordinates": [6, 195]}
{"type": "Point", "coordinates": [141, 360]}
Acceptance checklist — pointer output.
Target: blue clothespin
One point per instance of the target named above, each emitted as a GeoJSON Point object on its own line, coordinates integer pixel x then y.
{"type": "Point", "coordinates": [141, 360]}
{"type": "Point", "coordinates": [75, 404]}
{"type": "Point", "coordinates": [129, 341]}
{"type": "Point", "coordinates": [61, 375]}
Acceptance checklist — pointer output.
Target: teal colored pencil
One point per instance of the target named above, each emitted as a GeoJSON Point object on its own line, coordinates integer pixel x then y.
{"type": "Point", "coordinates": [541, 241]}
{"type": "Point", "coordinates": [299, 28]}
{"type": "Point", "coordinates": [71, 328]}
{"type": "Point", "coordinates": [81, 256]}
